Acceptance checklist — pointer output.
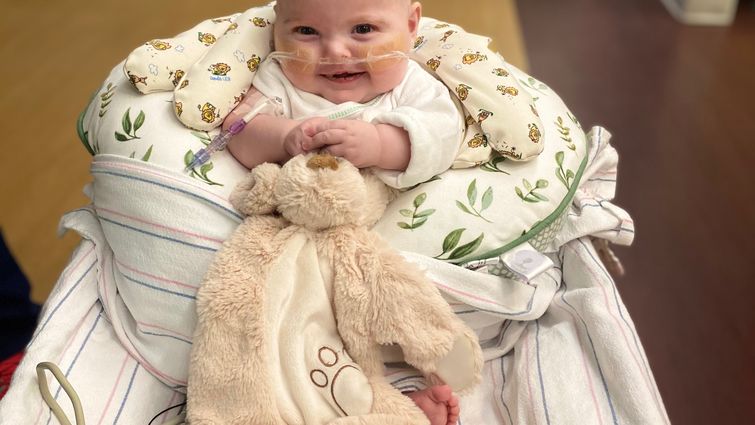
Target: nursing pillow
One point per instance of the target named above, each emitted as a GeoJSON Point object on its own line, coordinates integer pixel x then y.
{"type": "Point", "coordinates": [210, 68]}
{"type": "Point", "coordinates": [458, 216]}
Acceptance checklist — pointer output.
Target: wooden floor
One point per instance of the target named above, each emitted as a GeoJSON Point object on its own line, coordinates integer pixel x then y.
{"type": "Point", "coordinates": [680, 102]}
{"type": "Point", "coordinates": [55, 56]}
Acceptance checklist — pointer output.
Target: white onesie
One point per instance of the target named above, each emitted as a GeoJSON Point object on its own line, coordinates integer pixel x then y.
{"type": "Point", "coordinates": [420, 104]}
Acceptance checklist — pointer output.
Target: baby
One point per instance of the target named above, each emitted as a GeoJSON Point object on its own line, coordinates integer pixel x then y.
{"type": "Point", "coordinates": [347, 87]}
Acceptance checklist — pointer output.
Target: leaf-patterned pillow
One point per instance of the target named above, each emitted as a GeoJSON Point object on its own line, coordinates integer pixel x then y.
{"type": "Point", "coordinates": [481, 212]}
{"type": "Point", "coordinates": [459, 215]}
{"type": "Point", "coordinates": [121, 121]}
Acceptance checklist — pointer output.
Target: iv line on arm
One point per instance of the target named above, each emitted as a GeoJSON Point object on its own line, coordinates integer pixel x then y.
{"type": "Point", "coordinates": [219, 142]}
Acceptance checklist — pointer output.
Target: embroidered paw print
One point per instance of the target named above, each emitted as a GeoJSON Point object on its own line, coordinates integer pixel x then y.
{"type": "Point", "coordinates": [342, 381]}
{"type": "Point", "coordinates": [328, 358]}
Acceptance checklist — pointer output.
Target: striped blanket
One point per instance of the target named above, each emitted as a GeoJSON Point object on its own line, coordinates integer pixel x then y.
{"type": "Point", "coordinates": [119, 323]}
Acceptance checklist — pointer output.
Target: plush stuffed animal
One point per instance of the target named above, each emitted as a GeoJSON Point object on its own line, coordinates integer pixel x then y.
{"type": "Point", "coordinates": [297, 308]}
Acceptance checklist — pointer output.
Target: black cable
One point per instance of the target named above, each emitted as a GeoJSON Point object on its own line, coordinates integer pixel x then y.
{"type": "Point", "coordinates": [170, 408]}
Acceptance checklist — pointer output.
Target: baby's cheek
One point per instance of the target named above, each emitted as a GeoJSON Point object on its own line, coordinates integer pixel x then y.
{"type": "Point", "coordinates": [301, 80]}
{"type": "Point", "coordinates": [389, 77]}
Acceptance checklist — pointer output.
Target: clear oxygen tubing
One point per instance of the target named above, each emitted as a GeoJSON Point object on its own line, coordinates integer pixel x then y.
{"type": "Point", "coordinates": [219, 142]}
{"type": "Point", "coordinates": [305, 62]}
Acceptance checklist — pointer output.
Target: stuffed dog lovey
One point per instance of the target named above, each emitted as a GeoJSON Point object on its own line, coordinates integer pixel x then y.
{"type": "Point", "coordinates": [299, 304]}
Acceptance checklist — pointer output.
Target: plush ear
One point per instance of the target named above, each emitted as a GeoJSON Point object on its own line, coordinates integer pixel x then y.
{"type": "Point", "coordinates": [255, 193]}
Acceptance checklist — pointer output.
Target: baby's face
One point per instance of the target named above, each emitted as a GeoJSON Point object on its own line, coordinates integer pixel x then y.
{"type": "Point", "coordinates": [345, 30]}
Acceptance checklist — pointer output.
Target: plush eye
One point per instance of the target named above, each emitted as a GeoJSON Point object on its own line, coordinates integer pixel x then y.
{"type": "Point", "coordinates": [305, 30]}
{"type": "Point", "coordinates": [363, 28]}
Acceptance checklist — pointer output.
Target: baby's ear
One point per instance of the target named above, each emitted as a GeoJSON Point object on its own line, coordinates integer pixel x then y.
{"type": "Point", "coordinates": [254, 194]}
{"type": "Point", "coordinates": [415, 13]}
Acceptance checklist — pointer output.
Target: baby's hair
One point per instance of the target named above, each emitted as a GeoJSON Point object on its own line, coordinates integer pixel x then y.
{"type": "Point", "coordinates": [405, 1]}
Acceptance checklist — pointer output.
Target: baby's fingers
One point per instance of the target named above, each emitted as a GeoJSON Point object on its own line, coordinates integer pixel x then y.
{"type": "Point", "coordinates": [325, 138]}
{"type": "Point", "coordinates": [312, 126]}
{"type": "Point", "coordinates": [327, 124]}
{"type": "Point", "coordinates": [337, 151]}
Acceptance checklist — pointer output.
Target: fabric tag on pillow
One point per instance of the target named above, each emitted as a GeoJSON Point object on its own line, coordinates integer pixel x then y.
{"type": "Point", "coordinates": [524, 261]}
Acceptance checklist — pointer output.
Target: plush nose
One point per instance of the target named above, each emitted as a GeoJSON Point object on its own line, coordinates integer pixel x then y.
{"type": "Point", "coordinates": [322, 160]}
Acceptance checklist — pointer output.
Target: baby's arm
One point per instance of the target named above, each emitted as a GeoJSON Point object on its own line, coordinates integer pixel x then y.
{"type": "Point", "coordinates": [267, 138]}
{"type": "Point", "coordinates": [262, 138]}
{"type": "Point", "coordinates": [426, 112]}
{"type": "Point", "coordinates": [260, 141]}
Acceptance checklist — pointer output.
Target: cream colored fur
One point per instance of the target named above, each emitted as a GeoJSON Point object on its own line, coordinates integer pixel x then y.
{"type": "Point", "coordinates": [378, 298]}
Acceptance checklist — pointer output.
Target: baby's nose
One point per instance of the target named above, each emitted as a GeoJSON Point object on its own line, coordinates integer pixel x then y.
{"type": "Point", "coordinates": [337, 48]}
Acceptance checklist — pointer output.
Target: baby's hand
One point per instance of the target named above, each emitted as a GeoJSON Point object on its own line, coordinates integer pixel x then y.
{"type": "Point", "coordinates": [354, 140]}
{"type": "Point", "coordinates": [297, 140]}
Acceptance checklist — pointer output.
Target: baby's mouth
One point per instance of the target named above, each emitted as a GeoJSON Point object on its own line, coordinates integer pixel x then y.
{"type": "Point", "coordinates": [343, 76]}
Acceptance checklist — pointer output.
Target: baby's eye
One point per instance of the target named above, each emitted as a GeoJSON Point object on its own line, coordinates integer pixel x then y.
{"type": "Point", "coordinates": [363, 28]}
{"type": "Point", "coordinates": [305, 30]}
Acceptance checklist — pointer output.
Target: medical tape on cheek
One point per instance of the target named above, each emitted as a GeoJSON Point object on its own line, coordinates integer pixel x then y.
{"type": "Point", "coordinates": [382, 57]}
{"type": "Point", "coordinates": [294, 59]}
{"type": "Point", "coordinates": [375, 58]}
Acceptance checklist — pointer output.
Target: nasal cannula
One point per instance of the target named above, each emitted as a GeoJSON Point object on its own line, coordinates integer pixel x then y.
{"type": "Point", "coordinates": [218, 142]}
{"type": "Point", "coordinates": [306, 63]}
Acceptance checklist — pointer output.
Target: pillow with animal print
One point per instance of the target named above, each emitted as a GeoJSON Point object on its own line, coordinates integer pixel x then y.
{"type": "Point", "coordinates": [499, 113]}
{"type": "Point", "coordinates": [210, 67]}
